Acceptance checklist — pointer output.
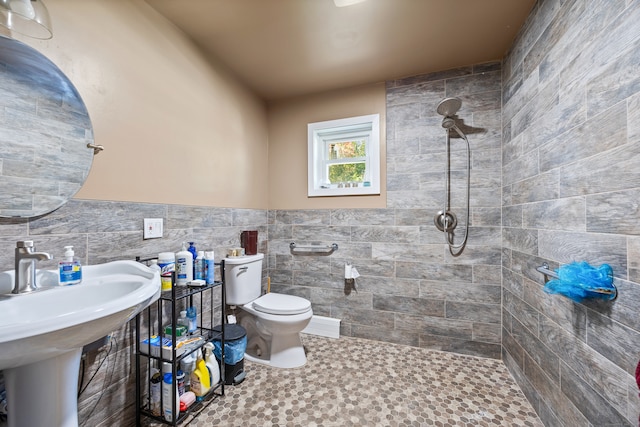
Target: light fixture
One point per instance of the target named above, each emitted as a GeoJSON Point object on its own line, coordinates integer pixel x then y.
{"type": "Point", "coordinates": [343, 3]}
{"type": "Point", "coordinates": [26, 17]}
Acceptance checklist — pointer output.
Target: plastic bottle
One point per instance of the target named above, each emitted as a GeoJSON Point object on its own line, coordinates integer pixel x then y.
{"type": "Point", "coordinates": [200, 380]}
{"type": "Point", "coordinates": [212, 364]}
{"type": "Point", "coordinates": [180, 382]}
{"type": "Point", "coordinates": [193, 250]}
{"type": "Point", "coordinates": [167, 390]}
{"type": "Point", "coordinates": [155, 267]}
{"type": "Point", "coordinates": [156, 379]}
{"type": "Point", "coordinates": [210, 267]}
{"type": "Point", "coordinates": [194, 253]}
{"type": "Point", "coordinates": [184, 266]}
{"type": "Point", "coordinates": [70, 268]}
{"type": "Point", "coordinates": [183, 320]}
{"type": "Point", "coordinates": [167, 264]}
{"type": "Point", "coordinates": [187, 365]}
{"type": "Point", "coordinates": [192, 317]}
{"type": "Point", "coordinates": [199, 266]}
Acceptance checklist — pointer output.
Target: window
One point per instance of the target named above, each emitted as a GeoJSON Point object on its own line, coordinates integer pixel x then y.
{"type": "Point", "coordinates": [344, 157]}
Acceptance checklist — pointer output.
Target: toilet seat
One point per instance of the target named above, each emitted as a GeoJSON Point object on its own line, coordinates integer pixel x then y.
{"type": "Point", "coordinates": [273, 303]}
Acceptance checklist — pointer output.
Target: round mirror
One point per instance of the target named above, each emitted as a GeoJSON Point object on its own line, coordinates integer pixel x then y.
{"type": "Point", "coordinates": [44, 132]}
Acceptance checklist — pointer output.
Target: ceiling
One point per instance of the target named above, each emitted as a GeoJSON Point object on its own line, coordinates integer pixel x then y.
{"type": "Point", "coordinates": [285, 48]}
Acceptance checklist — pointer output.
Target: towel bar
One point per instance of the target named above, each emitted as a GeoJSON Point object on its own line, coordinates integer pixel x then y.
{"type": "Point", "coordinates": [544, 269]}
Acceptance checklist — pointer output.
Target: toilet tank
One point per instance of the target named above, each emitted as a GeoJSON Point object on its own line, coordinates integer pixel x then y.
{"type": "Point", "coordinates": [243, 278]}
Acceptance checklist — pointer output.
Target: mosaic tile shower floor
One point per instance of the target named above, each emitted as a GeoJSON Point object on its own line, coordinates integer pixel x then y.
{"type": "Point", "coordinates": [357, 382]}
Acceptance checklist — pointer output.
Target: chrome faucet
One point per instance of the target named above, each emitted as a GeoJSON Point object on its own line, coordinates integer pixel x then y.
{"type": "Point", "coordinates": [25, 267]}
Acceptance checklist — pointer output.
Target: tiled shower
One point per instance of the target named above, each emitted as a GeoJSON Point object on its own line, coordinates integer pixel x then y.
{"type": "Point", "coordinates": [571, 179]}
{"type": "Point", "coordinates": [555, 139]}
{"type": "Point", "coordinates": [411, 290]}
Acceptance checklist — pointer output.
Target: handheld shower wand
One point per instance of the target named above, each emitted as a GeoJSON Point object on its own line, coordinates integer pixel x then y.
{"type": "Point", "coordinates": [445, 220]}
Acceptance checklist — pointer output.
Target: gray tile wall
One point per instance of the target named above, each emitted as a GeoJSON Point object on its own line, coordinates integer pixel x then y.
{"type": "Point", "coordinates": [571, 181]}
{"type": "Point", "coordinates": [102, 231]}
{"type": "Point", "coordinates": [411, 290]}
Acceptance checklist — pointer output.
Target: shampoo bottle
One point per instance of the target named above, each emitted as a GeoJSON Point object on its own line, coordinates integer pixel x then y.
{"type": "Point", "coordinates": [69, 268]}
{"type": "Point", "coordinates": [184, 266]}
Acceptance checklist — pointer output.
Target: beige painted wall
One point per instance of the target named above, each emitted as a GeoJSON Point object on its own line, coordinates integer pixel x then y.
{"type": "Point", "coordinates": [288, 121]}
{"type": "Point", "coordinates": [176, 127]}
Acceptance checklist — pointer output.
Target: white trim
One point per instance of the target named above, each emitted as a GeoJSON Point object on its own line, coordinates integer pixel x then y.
{"type": "Point", "coordinates": [370, 124]}
{"type": "Point", "coordinates": [323, 326]}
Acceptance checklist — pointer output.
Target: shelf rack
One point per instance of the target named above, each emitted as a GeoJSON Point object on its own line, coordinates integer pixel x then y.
{"type": "Point", "coordinates": [151, 321]}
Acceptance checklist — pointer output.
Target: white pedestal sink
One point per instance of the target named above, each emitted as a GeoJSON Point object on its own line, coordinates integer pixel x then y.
{"type": "Point", "coordinates": [42, 335]}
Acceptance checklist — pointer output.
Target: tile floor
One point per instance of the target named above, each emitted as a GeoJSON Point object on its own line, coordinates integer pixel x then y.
{"type": "Point", "coordinates": [357, 382]}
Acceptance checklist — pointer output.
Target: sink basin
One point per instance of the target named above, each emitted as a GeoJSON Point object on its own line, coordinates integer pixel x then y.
{"type": "Point", "coordinates": [42, 334]}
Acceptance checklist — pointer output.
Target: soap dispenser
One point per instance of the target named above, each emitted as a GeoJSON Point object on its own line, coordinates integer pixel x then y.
{"type": "Point", "coordinates": [70, 268]}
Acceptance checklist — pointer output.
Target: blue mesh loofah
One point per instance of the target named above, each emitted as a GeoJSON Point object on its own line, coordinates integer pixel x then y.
{"type": "Point", "coordinates": [579, 281]}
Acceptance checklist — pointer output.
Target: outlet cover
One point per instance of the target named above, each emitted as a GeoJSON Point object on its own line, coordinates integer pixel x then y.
{"type": "Point", "coordinates": [152, 228]}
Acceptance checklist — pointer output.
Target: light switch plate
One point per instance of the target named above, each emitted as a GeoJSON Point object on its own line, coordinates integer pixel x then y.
{"type": "Point", "coordinates": [152, 228]}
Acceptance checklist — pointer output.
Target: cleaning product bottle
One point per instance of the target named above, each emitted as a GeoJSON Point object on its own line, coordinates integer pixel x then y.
{"type": "Point", "coordinates": [200, 381]}
{"type": "Point", "coordinates": [192, 317]}
{"type": "Point", "coordinates": [168, 388]}
{"type": "Point", "coordinates": [212, 363]}
{"type": "Point", "coordinates": [70, 268]}
{"type": "Point", "coordinates": [199, 266]}
{"type": "Point", "coordinates": [184, 266]}
{"type": "Point", "coordinates": [210, 267]}
{"type": "Point", "coordinates": [167, 264]}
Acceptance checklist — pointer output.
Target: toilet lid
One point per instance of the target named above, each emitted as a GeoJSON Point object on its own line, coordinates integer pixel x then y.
{"type": "Point", "coordinates": [273, 303]}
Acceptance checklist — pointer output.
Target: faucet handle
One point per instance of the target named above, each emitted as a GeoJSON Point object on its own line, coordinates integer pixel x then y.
{"type": "Point", "coordinates": [24, 244]}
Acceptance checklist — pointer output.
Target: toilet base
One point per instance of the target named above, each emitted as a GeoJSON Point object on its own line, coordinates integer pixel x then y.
{"type": "Point", "coordinates": [287, 351]}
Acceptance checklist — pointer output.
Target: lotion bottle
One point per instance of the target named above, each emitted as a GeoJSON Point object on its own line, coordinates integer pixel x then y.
{"type": "Point", "coordinates": [184, 266]}
{"type": "Point", "coordinates": [70, 268]}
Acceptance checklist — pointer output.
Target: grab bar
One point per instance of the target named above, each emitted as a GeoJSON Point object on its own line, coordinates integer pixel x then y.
{"type": "Point", "coordinates": [544, 269]}
{"type": "Point", "coordinates": [309, 249]}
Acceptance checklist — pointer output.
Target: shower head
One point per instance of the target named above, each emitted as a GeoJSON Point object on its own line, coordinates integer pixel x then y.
{"type": "Point", "coordinates": [449, 107]}
{"type": "Point", "coordinates": [448, 122]}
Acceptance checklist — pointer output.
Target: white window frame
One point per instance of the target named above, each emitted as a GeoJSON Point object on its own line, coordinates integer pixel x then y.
{"type": "Point", "coordinates": [321, 134]}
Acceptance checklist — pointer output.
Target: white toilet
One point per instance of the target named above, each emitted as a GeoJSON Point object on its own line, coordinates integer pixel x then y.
{"type": "Point", "coordinates": [273, 321]}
